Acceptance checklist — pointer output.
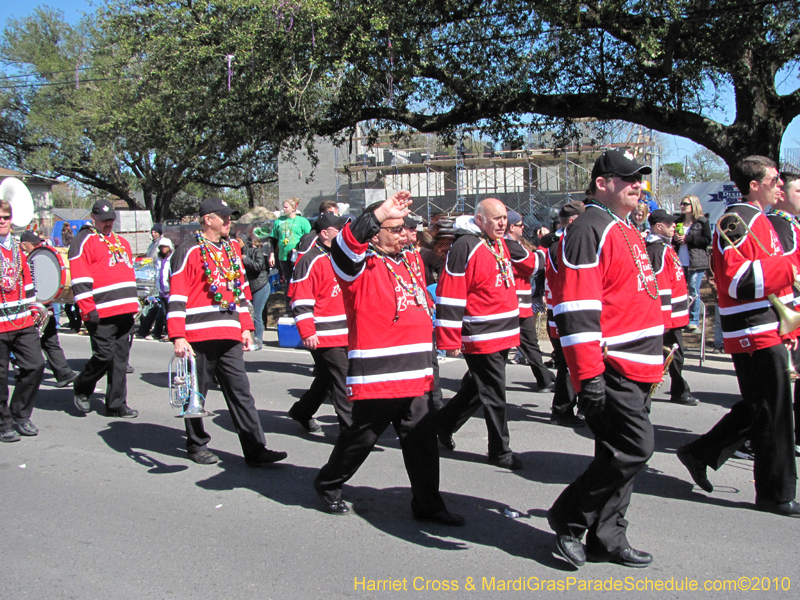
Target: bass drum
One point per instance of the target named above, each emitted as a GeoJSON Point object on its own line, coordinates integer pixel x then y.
{"type": "Point", "coordinates": [50, 272]}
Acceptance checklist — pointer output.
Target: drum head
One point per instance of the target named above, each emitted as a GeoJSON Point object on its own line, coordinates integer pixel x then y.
{"type": "Point", "coordinates": [46, 270]}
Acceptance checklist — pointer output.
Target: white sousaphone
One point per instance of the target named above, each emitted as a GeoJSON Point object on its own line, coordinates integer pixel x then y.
{"type": "Point", "coordinates": [16, 193]}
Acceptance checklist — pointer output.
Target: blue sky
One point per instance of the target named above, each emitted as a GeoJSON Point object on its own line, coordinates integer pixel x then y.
{"type": "Point", "coordinates": [675, 150]}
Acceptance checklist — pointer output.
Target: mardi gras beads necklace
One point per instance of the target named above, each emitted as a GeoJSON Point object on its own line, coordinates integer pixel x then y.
{"type": "Point", "coordinates": [11, 277]}
{"type": "Point", "coordinates": [287, 227]}
{"type": "Point", "coordinates": [792, 219]}
{"type": "Point", "coordinates": [230, 275]}
{"type": "Point", "coordinates": [115, 247]}
{"type": "Point", "coordinates": [503, 264]}
{"type": "Point", "coordinates": [636, 261]}
{"type": "Point", "coordinates": [413, 288]}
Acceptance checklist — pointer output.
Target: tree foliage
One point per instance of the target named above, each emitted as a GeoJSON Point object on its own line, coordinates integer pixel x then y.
{"type": "Point", "coordinates": [137, 97]}
{"type": "Point", "coordinates": [669, 64]}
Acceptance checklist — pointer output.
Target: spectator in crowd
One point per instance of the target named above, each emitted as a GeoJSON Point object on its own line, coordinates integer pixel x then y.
{"type": "Point", "coordinates": [691, 240]}
{"type": "Point", "coordinates": [156, 317]}
{"type": "Point", "coordinates": [66, 234]}
{"type": "Point", "coordinates": [156, 233]}
{"type": "Point", "coordinates": [308, 241]}
{"type": "Point", "coordinates": [287, 231]}
{"type": "Point", "coordinates": [639, 217]}
{"type": "Point", "coordinates": [256, 267]}
{"type": "Point", "coordinates": [433, 263]}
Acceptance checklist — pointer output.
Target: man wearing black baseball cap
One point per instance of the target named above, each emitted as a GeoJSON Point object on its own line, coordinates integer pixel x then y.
{"type": "Point", "coordinates": [318, 310]}
{"type": "Point", "coordinates": [674, 298]}
{"type": "Point", "coordinates": [208, 318]}
{"type": "Point", "coordinates": [608, 313]}
{"type": "Point", "coordinates": [105, 291]}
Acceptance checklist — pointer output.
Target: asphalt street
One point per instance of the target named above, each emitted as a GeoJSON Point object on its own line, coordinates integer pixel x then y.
{"type": "Point", "coordinates": [106, 508]}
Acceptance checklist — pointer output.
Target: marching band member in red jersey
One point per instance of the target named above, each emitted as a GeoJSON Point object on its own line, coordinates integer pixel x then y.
{"type": "Point", "coordinates": [390, 351]}
{"type": "Point", "coordinates": [674, 299]}
{"type": "Point", "coordinates": [18, 335]}
{"type": "Point", "coordinates": [608, 314]}
{"type": "Point", "coordinates": [207, 318]}
{"type": "Point", "coordinates": [105, 291]}
{"type": "Point", "coordinates": [747, 272]}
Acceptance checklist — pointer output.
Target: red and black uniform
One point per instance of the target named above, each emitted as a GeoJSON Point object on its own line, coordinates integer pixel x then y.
{"type": "Point", "coordinates": [17, 335]}
{"type": "Point", "coordinates": [674, 295]}
{"type": "Point", "coordinates": [477, 311]}
{"type": "Point", "coordinates": [104, 285]}
{"type": "Point", "coordinates": [564, 398]}
{"type": "Point", "coordinates": [788, 229]}
{"type": "Point", "coordinates": [390, 353]}
{"type": "Point", "coordinates": [747, 274]}
{"type": "Point", "coordinates": [528, 337]}
{"type": "Point", "coordinates": [608, 313]}
{"type": "Point", "coordinates": [318, 309]}
{"type": "Point", "coordinates": [215, 334]}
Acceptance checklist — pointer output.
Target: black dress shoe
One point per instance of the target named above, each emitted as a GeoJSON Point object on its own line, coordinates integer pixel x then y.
{"type": "Point", "coordinates": [266, 458]}
{"type": "Point", "coordinates": [628, 557]}
{"type": "Point", "coordinates": [567, 420]}
{"type": "Point", "coordinates": [129, 369]}
{"type": "Point", "coordinates": [785, 509]}
{"type": "Point", "coordinates": [511, 462]}
{"type": "Point", "coordinates": [548, 389]}
{"type": "Point", "coordinates": [446, 439]}
{"type": "Point", "coordinates": [336, 506]}
{"type": "Point", "coordinates": [9, 436]}
{"type": "Point", "coordinates": [443, 517]}
{"type": "Point", "coordinates": [82, 403]}
{"type": "Point", "coordinates": [570, 547]}
{"type": "Point", "coordinates": [70, 378]}
{"type": "Point", "coordinates": [25, 427]}
{"type": "Point", "coordinates": [310, 425]}
{"type": "Point", "coordinates": [125, 412]}
{"type": "Point", "coordinates": [685, 399]}
{"type": "Point", "coordinates": [203, 457]}
{"type": "Point", "coordinates": [696, 468]}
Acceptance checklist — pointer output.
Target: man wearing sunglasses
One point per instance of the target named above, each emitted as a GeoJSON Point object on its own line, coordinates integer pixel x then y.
{"type": "Point", "coordinates": [608, 314]}
{"type": "Point", "coordinates": [17, 335]}
{"type": "Point", "coordinates": [749, 266]}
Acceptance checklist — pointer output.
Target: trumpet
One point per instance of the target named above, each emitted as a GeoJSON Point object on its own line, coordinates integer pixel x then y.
{"type": "Point", "coordinates": [40, 314]}
{"type": "Point", "coordinates": [789, 319]}
{"type": "Point", "coordinates": [183, 392]}
{"type": "Point", "coordinates": [667, 362]}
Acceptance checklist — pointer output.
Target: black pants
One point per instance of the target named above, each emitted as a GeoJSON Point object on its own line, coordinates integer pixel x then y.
{"type": "Point", "coordinates": [678, 385]}
{"type": "Point", "coordinates": [484, 383]}
{"type": "Point", "coordinates": [111, 348]}
{"type": "Point", "coordinates": [224, 359]}
{"type": "Point", "coordinates": [24, 343]}
{"type": "Point", "coordinates": [330, 375]}
{"type": "Point", "coordinates": [598, 500]}
{"type": "Point", "coordinates": [564, 400]}
{"type": "Point", "coordinates": [286, 268]}
{"type": "Point", "coordinates": [529, 345]}
{"type": "Point", "coordinates": [796, 363]}
{"type": "Point", "coordinates": [52, 350]}
{"type": "Point", "coordinates": [155, 319]}
{"type": "Point", "coordinates": [765, 416]}
{"type": "Point", "coordinates": [413, 421]}
{"type": "Point", "coordinates": [74, 316]}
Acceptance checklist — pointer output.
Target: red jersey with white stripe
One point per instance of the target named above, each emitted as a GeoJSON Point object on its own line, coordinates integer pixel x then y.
{"type": "Point", "coordinates": [746, 274]}
{"type": "Point", "coordinates": [17, 289]}
{"type": "Point", "coordinates": [102, 275]}
{"type": "Point", "coordinates": [317, 300]}
{"type": "Point", "coordinates": [477, 309]}
{"type": "Point", "coordinates": [192, 312]}
{"type": "Point", "coordinates": [521, 282]}
{"type": "Point", "coordinates": [671, 282]}
{"type": "Point", "coordinates": [390, 333]}
{"type": "Point", "coordinates": [787, 227]}
{"type": "Point", "coordinates": [606, 303]}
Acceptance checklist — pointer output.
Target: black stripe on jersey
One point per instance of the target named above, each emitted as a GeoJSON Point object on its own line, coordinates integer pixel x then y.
{"type": "Point", "coordinates": [577, 321]}
{"type": "Point", "coordinates": [494, 326]}
{"type": "Point", "coordinates": [460, 252]}
{"type": "Point", "coordinates": [384, 365]}
{"type": "Point", "coordinates": [656, 250]}
{"type": "Point", "coordinates": [447, 312]}
{"type": "Point", "coordinates": [652, 346]}
{"type": "Point", "coordinates": [216, 316]}
{"type": "Point", "coordinates": [125, 293]}
{"type": "Point", "coordinates": [363, 229]}
{"type": "Point", "coordinates": [787, 233]}
{"type": "Point", "coordinates": [331, 325]}
{"type": "Point", "coordinates": [582, 241]}
{"type": "Point", "coordinates": [747, 319]}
